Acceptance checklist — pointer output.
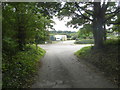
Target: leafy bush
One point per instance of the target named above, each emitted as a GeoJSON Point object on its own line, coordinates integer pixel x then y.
{"type": "Point", "coordinates": [9, 45]}
{"type": "Point", "coordinates": [18, 71]}
{"type": "Point", "coordinates": [84, 41]}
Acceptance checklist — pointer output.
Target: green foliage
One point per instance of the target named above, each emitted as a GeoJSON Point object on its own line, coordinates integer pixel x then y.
{"type": "Point", "coordinates": [84, 41]}
{"type": "Point", "coordinates": [74, 36]}
{"type": "Point", "coordinates": [105, 59]}
{"type": "Point", "coordinates": [85, 32]}
{"type": "Point", "coordinates": [22, 67]}
{"type": "Point", "coordinates": [112, 36]}
{"type": "Point", "coordinates": [95, 13]}
{"type": "Point", "coordinates": [112, 42]}
{"type": "Point", "coordinates": [23, 25]}
{"type": "Point", "coordinates": [9, 44]}
{"type": "Point", "coordinates": [84, 51]}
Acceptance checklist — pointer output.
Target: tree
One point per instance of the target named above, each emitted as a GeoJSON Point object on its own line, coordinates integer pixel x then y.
{"type": "Point", "coordinates": [96, 13]}
{"type": "Point", "coordinates": [24, 24]}
{"type": "Point", "coordinates": [85, 31]}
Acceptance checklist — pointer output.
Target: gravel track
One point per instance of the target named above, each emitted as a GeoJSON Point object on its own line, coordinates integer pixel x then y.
{"type": "Point", "coordinates": [61, 69]}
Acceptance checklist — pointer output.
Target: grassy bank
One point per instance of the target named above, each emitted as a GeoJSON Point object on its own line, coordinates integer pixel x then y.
{"type": "Point", "coordinates": [18, 71]}
{"type": "Point", "coordinates": [105, 59]}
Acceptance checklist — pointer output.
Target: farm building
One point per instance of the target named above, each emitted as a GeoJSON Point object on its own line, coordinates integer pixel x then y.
{"type": "Point", "coordinates": [58, 37]}
{"type": "Point", "coordinates": [61, 37]}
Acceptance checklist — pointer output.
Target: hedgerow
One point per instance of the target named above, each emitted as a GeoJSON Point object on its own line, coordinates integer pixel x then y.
{"type": "Point", "coordinates": [18, 71]}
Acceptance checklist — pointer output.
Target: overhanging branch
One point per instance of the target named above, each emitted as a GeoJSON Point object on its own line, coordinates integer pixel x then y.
{"type": "Point", "coordinates": [115, 23]}
{"type": "Point", "coordinates": [87, 11]}
{"type": "Point", "coordinates": [81, 13]}
{"type": "Point", "coordinates": [105, 6]}
{"type": "Point", "coordinates": [116, 12]}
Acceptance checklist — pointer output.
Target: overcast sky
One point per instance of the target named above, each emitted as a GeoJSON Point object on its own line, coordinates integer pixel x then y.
{"type": "Point", "coordinates": [60, 25]}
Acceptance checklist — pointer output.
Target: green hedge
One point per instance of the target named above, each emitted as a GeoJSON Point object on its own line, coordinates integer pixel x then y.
{"type": "Point", "coordinates": [84, 41]}
{"type": "Point", "coordinates": [18, 72]}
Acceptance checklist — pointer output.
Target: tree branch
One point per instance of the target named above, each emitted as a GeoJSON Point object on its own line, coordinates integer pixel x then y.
{"type": "Point", "coordinates": [87, 11]}
{"type": "Point", "coordinates": [114, 11]}
{"type": "Point", "coordinates": [117, 11]}
{"type": "Point", "coordinates": [115, 23]}
{"type": "Point", "coordinates": [81, 13]}
{"type": "Point", "coordinates": [105, 6]}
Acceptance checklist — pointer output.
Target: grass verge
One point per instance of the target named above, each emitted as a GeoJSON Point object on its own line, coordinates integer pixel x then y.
{"type": "Point", "coordinates": [19, 71]}
{"type": "Point", "coordinates": [106, 59]}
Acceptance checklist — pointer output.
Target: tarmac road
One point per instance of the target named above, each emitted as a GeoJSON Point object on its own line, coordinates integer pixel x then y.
{"type": "Point", "coordinates": [61, 69]}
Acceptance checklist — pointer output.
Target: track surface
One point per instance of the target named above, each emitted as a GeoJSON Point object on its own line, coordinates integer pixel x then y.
{"type": "Point", "coordinates": [61, 69]}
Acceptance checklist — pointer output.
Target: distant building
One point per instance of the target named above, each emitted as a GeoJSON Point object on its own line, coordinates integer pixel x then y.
{"type": "Point", "coordinates": [61, 37]}
{"type": "Point", "coordinates": [58, 37]}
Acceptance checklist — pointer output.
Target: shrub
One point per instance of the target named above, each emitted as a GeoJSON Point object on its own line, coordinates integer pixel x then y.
{"type": "Point", "coordinates": [18, 71]}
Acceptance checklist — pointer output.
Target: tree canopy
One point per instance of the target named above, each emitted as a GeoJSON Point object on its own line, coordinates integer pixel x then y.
{"type": "Point", "coordinates": [98, 14]}
{"type": "Point", "coordinates": [23, 23]}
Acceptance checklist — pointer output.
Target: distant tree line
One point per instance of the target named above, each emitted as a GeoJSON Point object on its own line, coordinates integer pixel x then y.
{"type": "Point", "coordinates": [62, 32]}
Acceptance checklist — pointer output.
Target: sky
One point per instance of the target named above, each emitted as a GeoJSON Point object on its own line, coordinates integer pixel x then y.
{"type": "Point", "coordinates": [60, 25]}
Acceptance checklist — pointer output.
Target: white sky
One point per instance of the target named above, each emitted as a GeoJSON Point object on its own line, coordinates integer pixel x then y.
{"type": "Point", "coordinates": [60, 25]}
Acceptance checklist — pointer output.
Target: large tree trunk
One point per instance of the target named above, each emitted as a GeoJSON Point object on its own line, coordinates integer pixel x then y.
{"type": "Point", "coordinates": [21, 34]}
{"type": "Point", "coordinates": [105, 33]}
{"type": "Point", "coordinates": [21, 37]}
{"type": "Point", "coordinates": [98, 34]}
{"type": "Point", "coordinates": [98, 29]}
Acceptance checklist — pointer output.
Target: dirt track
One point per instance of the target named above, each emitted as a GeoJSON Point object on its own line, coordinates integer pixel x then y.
{"type": "Point", "coordinates": [61, 69]}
